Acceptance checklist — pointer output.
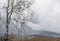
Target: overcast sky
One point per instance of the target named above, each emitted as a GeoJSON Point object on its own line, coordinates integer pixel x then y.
{"type": "Point", "coordinates": [49, 15]}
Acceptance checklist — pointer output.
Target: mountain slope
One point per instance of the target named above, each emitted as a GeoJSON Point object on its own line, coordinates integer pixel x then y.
{"type": "Point", "coordinates": [47, 33]}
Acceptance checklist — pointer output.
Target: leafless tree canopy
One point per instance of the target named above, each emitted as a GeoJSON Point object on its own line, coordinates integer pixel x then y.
{"type": "Point", "coordinates": [17, 10]}
{"type": "Point", "coordinates": [20, 7]}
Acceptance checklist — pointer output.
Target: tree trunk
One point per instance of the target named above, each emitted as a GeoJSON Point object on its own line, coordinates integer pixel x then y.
{"type": "Point", "coordinates": [7, 25]}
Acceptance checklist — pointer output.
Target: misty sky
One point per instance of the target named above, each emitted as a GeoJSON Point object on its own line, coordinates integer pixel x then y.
{"type": "Point", "coordinates": [49, 15]}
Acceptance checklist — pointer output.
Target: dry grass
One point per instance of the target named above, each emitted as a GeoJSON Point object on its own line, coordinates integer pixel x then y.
{"type": "Point", "coordinates": [45, 39]}
{"type": "Point", "coordinates": [14, 38]}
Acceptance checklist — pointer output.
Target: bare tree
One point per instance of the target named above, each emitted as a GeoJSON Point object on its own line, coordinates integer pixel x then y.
{"type": "Point", "coordinates": [16, 8]}
{"type": "Point", "coordinates": [8, 17]}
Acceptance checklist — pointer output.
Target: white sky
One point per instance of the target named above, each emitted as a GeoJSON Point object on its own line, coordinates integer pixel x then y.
{"type": "Point", "coordinates": [49, 14]}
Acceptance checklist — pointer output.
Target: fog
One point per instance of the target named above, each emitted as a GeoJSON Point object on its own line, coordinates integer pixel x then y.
{"type": "Point", "coordinates": [49, 15]}
{"type": "Point", "coordinates": [48, 12]}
